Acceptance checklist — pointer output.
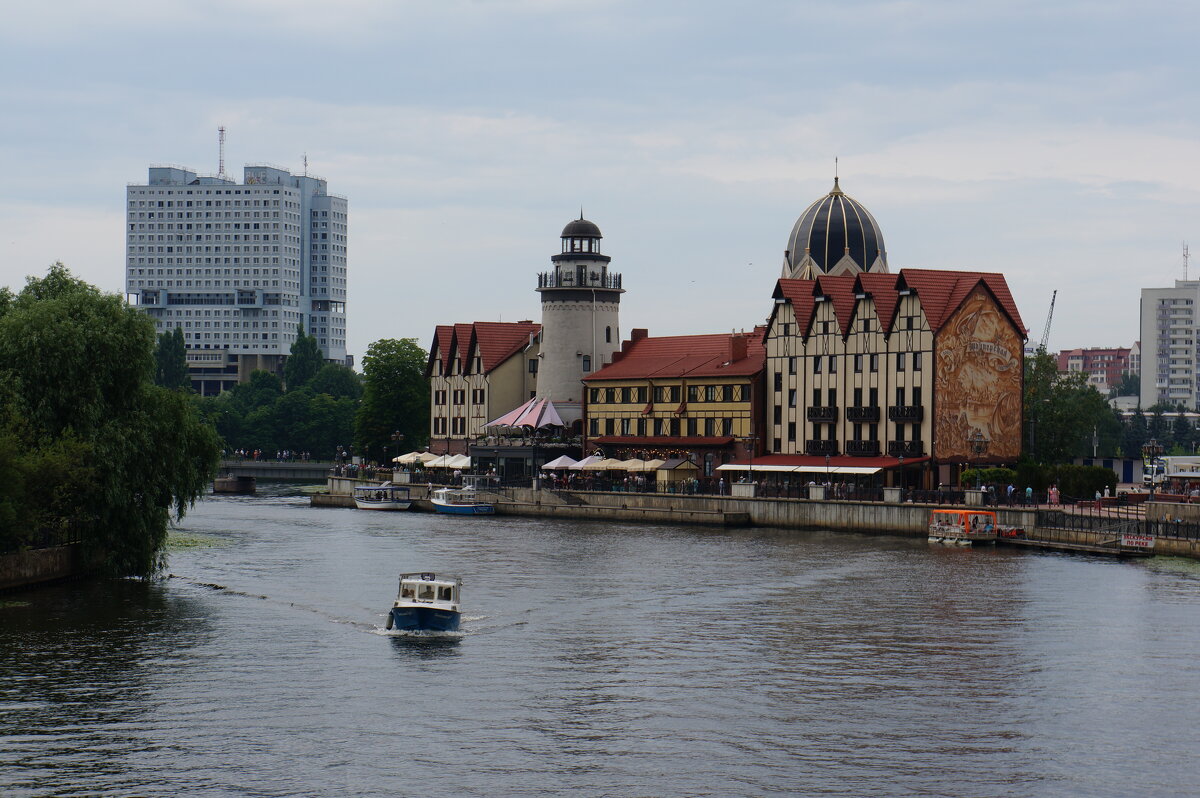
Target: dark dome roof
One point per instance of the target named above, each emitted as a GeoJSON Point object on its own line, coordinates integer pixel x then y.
{"type": "Point", "coordinates": [581, 228]}
{"type": "Point", "coordinates": [829, 226]}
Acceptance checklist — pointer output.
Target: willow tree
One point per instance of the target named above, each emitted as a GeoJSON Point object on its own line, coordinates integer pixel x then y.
{"type": "Point", "coordinates": [77, 367]}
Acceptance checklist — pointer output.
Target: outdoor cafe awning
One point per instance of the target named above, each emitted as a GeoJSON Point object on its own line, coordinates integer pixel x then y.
{"type": "Point", "coordinates": [786, 469]}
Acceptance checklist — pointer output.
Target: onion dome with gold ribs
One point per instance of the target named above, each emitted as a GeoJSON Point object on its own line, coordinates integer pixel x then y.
{"type": "Point", "coordinates": [835, 235]}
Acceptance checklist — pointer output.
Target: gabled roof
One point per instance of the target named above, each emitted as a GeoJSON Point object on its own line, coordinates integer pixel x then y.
{"type": "Point", "coordinates": [940, 292]}
{"type": "Point", "coordinates": [840, 291]}
{"type": "Point", "coordinates": [495, 341]}
{"type": "Point", "coordinates": [800, 294]}
{"type": "Point", "coordinates": [882, 289]}
{"type": "Point", "coordinates": [685, 356]}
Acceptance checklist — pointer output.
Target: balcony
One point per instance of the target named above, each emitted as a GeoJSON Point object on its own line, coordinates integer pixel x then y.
{"type": "Point", "coordinates": [818, 448]}
{"type": "Point", "coordinates": [868, 414]}
{"type": "Point", "coordinates": [822, 415]}
{"type": "Point", "coordinates": [906, 413]}
{"type": "Point", "coordinates": [862, 448]}
{"type": "Point", "coordinates": [906, 449]}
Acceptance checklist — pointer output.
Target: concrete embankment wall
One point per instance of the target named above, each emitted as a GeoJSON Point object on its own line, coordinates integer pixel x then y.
{"type": "Point", "coordinates": [27, 568]}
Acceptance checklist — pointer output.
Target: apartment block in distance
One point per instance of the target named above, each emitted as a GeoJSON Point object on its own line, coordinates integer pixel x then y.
{"type": "Point", "coordinates": [1169, 345]}
{"type": "Point", "coordinates": [237, 266]}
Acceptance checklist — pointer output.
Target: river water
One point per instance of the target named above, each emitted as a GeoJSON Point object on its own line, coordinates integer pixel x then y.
{"type": "Point", "coordinates": [600, 659]}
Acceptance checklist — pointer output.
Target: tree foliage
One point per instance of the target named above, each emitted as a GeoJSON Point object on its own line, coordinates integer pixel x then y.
{"type": "Point", "coordinates": [304, 361]}
{"type": "Point", "coordinates": [170, 361]}
{"type": "Point", "coordinates": [395, 398]}
{"type": "Point", "coordinates": [1063, 413]}
{"type": "Point", "coordinates": [92, 443]}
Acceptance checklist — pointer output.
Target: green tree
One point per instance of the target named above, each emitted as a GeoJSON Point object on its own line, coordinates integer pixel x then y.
{"type": "Point", "coordinates": [1062, 412]}
{"type": "Point", "coordinates": [170, 361]}
{"type": "Point", "coordinates": [304, 361]}
{"type": "Point", "coordinates": [1130, 385]}
{"type": "Point", "coordinates": [140, 453]}
{"type": "Point", "coordinates": [337, 381]}
{"type": "Point", "coordinates": [1136, 433]}
{"type": "Point", "coordinates": [395, 398]}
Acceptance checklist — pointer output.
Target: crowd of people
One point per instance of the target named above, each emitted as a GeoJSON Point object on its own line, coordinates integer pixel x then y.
{"type": "Point", "coordinates": [281, 455]}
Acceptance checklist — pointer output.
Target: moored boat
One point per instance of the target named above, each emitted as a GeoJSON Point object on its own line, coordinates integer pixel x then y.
{"type": "Point", "coordinates": [426, 602]}
{"type": "Point", "coordinates": [962, 527]}
{"type": "Point", "coordinates": [458, 501]}
{"type": "Point", "coordinates": [381, 497]}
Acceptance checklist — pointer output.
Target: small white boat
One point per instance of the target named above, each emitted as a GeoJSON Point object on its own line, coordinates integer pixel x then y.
{"type": "Point", "coordinates": [382, 497]}
{"type": "Point", "coordinates": [426, 602]}
{"type": "Point", "coordinates": [460, 501]}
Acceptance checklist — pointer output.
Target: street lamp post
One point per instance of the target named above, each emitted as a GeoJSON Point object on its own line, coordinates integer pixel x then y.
{"type": "Point", "coordinates": [903, 481]}
{"type": "Point", "coordinates": [828, 480]}
{"type": "Point", "coordinates": [1151, 452]}
{"type": "Point", "coordinates": [979, 445]}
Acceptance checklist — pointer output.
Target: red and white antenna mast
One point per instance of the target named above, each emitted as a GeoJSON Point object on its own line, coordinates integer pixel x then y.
{"type": "Point", "coordinates": [221, 147]}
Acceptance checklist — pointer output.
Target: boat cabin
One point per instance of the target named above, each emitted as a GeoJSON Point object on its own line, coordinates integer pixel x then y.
{"type": "Point", "coordinates": [974, 522]}
{"type": "Point", "coordinates": [427, 587]}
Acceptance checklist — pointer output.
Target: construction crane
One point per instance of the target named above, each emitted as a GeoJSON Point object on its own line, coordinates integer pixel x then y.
{"type": "Point", "coordinates": [1049, 316]}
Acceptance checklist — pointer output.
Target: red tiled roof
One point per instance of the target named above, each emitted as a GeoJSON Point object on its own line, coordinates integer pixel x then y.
{"type": "Point", "coordinates": [662, 440]}
{"type": "Point", "coordinates": [685, 356]}
{"type": "Point", "coordinates": [800, 294]}
{"type": "Point", "coordinates": [941, 292]}
{"type": "Point", "coordinates": [496, 342]}
{"type": "Point", "coordinates": [882, 289]}
{"type": "Point", "coordinates": [840, 291]}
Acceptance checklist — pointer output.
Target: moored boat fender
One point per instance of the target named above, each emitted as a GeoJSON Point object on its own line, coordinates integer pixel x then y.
{"type": "Point", "coordinates": [389, 620]}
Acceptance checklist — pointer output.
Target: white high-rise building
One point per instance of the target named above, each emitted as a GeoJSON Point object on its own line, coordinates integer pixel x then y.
{"type": "Point", "coordinates": [238, 266]}
{"type": "Point", "coordinates": [1169, 345]}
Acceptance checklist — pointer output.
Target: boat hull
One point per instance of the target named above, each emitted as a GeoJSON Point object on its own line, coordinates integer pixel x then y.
{"type": "Point", "coordinates": [415, 619]}
{"type": "Point", "coordinates": [369, 505]}
{"type": "Point", "coordinates": [464, 509]}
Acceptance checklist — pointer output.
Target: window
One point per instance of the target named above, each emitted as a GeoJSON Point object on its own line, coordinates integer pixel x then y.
{"type": "Point", "coordinates": [533, 367]}
{"type": "Point", "coordinates": [610, 424]}
{"type": "Point", "coordinates": [693, 393]}
{"type": "Point", "coordinates": [874, 394]}
{"type": "Point", "coordinates": [460, 396]}
{"type": "Point", "coordinates": [727, 426]}
{"type": "Point", "coordinates": [833, 397]}
{"type": "Point", "coordinates": [778, 414]}
{"type": "Point", "coordinates": [727, 393]}
{"type": "Point", "coordinates": [593, 426]}
{"type": "Point", "coordinates": [816, 397]}
{"type": "Point", "coordinates": [674, 433]}
{"type": "Point", "coordinates": [874, 363]}
{"type": "Point", "coordinates": [791, 431]}
{"type": "Point", "coordinates": [608, 335]}
{"type": "Point", "coordinates": [710, 392]}
{"type": "Point", "coordinates": [832, 364]}
{"type": "Point", "coordinates": [900, 361]}
{"type": "Point", "coordinates": [610, 395]}
{"type": "Point", "coordinates": [791, 365]}
{"type": "Point", "coordinates": [792, 397]}
{"type": "Point", "coordinates": [673, 395]}
{"type": "Point", "coordinates": [858, 364]}
{"type": "Point", "coordinates": [692, 426]}
{"type": "Point", "coordinates": [587, 363]}
{"type": "Point", "coordinates": [627, 426]}
{"type": "Point", "coordinates": [439, 397]}
{"type": "Point", "coordinates": [597, 396]}
{"type": "Point", "coordinates": [916, 394]}
{"type": "Point", "coordinates": [626, 395]}
{"type": "Point", "coordinates": [900, 397]}
{"type": "Point", "coordinates": [778, 381]}
{"type": "Point", "coordinates": [817, 364]}
{"type": "Point", "coordinates": [710, 427]}
{"type": "Point", "coordinates": [916, 361]}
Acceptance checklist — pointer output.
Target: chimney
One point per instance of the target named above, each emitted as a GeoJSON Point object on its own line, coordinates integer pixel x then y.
{"type": "Point", "coordinates": [638, 333]}
{"type": "Point", "coordinates": [737, 348]}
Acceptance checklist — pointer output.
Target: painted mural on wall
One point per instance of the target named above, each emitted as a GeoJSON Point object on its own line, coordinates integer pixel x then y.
{"type": "Point", "coordinates": [978, 380]}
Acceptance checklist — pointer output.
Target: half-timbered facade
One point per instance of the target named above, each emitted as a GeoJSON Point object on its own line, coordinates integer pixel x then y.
{"type": "Point", "coordinates": [478, 372]}
{"type": "Point", "coordinates": [920, 365]}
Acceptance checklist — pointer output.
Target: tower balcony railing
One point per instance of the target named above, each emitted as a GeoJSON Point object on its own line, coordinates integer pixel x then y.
{"type": "Point", "coordinates": [906, 449]}
{"type": "Point", "coordinates": [862, 448]}
{"type": "Point", "coordinates": [906, 413]}
{"type": "Point", "coordinates": [818, 448]}
{"type": "Point", "coordinates": [569, 279]}
{"type": "Point", "coordinates": [822, 414]}
{"type": "Point", "coordinates": [863, 413]}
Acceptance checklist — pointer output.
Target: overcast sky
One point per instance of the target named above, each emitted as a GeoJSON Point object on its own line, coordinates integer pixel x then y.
{"type": "Point", "coordinates": [1052, 141]}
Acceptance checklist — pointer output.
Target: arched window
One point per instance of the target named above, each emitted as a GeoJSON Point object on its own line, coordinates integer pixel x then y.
{"type": "Point", "coordinates": [608, 335]}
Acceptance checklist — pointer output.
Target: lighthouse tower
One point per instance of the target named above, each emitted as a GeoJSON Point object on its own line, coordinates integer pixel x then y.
{"type": "Point", "coordinates": [581, 302]}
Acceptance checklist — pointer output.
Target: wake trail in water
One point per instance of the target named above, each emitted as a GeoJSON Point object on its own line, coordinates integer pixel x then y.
{"type": "Point", "coordinates": [213, 586]}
